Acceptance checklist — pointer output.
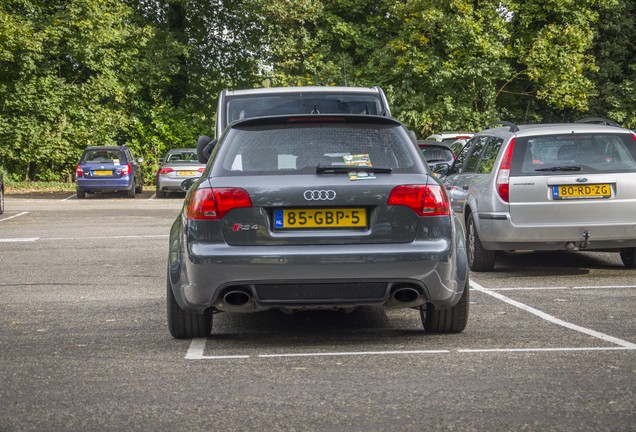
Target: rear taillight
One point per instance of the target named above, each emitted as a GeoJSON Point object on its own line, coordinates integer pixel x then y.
{"type": "Point", "coordinates": [125, 169]}
{"type": "Point", "coordinates": [165, 170]}
{"type": "Point", "coordinates": [503, 175]}
{"type": "Point", "coordinates": [201, 169]}
{"type": "Point", "coordinates": [79, 172]}
{"type": "Point", "coordinates": [215, 203]}
{"type": "Point", "coordinates": [425, 200]}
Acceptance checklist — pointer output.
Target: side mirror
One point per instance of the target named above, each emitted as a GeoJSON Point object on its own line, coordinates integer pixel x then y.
{"type": "Point", "coordinates": [441, 169]}
{"type": "Point", "coordinates": [205, 145]}
{"type": "Point", "coordinates": [187, 183]}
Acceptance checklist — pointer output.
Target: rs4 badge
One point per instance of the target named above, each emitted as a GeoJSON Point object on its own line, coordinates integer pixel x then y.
{"type": "Point", "coordinates": [242, 227]}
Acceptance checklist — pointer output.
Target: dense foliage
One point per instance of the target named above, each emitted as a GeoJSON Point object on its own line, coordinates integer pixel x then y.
{"type": "Point", "coordinates": [147, 72]}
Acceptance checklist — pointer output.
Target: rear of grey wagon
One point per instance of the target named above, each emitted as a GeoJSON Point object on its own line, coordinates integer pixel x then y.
{"type": "Point", "coordinates": [321, 212]}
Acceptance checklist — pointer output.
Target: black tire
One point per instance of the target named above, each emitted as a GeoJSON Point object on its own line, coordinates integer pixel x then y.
{"type": "Point", "coordinates": [1, 201]}
{"type": "Point", "coordinates": [81, 194]}
{"type": "Point", "coordinates": [628, 256]}
{"type": "Point", "coordinates": [186, 325]}
{"type": "Point", "coordinates": [451, 320]}
{"type": "Point", "coordinates": [131, 192]}
{"type": "Point", "coordinates": [140, 189]}
{"type": "Point", "coordinates": [160, 193]}
{"type": "Point", "coordinates": [479, 259]}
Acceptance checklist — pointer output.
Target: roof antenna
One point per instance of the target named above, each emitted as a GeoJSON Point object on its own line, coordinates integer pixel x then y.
{"type": "Point", "coordinates": [315, 110]}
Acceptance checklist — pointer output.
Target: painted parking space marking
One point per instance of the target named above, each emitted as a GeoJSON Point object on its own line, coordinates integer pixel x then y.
{"type": "Point", "coordinates": [496, 350]}
{"type": "Point", "coordinates": [68, 198]}
{"type": "Point", "coordinates": [108, 237]}
{"type": "Point", "coordinates": [565, 288]}
{"type": "Point", "coordinates": [14, 216]}
{"type": "Point", "coordinates": [553, 319]}
{"type": "Point", "coordinates": [32, 239]}
{"type": "Point", "coordinates": [196, 350]}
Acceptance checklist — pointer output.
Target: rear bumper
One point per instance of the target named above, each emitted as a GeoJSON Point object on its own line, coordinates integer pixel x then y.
{"type": "Point", "coordinates": [104, 185]}
{"type": "Point", "coordinates": [165, 183]}
{"type": "Point", "coordinates": [437, 270]}
{"type": "Point", "coordinates": [498, 232]}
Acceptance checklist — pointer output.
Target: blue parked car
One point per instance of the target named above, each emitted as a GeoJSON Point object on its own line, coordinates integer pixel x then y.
{"type": "Point", "coordinates": [109, 169]}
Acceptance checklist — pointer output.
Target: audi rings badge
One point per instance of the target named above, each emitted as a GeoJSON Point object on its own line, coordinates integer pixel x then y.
{"type": "Point", "coordinates": [319, 195]}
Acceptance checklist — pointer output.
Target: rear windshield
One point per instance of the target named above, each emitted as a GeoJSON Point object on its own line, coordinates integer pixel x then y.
{"type": "Point", "coordinates": [574, 153]}
{"type": "Point", "coordinates": [102, 156]}
{"type": "Point", "coordinates": [241, 107]}
{"type": "Point", "coordinates": [182, 157]}
{"type": "Point", "coordinates": [298, 149]}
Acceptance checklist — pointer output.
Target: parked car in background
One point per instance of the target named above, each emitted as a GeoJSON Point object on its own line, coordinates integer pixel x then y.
{"type": "Point", "coordinates": [108, 169]}
{"type": "Point", "coordinates": [177, 166]}
{"type": "Point", "coordinates": [1, 193]}
{"type": "Point", "coordinates": [456, 139]}
{"type": "Point", "coordinates": [450, 136]}
{"type": "Point", "coordinates": [458, 145]}
{"type": "Point", "coordinates": [546, 187]}
{"type": "Point", "coordinates": [316, 212]}
{"type": "Point", "coordinates": [239, 104]}
{"type": "Point", "coordinates": [236, 105]}
{"type": "Point", "coordinates": [436, 153]}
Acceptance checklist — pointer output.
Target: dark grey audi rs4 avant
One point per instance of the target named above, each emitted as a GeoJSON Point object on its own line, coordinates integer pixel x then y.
{"type": "Point", "coordinates": [316, 211]}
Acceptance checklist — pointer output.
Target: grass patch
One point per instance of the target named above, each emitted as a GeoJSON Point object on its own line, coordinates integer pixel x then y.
{"type": "Point", "coordinates": [37, 186]}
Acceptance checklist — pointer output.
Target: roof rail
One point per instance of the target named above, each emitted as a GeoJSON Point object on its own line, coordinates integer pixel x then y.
{"type": "Point", "coordinates": [598, 120]}
{"type": "Point", "coordinates": [513, 127]}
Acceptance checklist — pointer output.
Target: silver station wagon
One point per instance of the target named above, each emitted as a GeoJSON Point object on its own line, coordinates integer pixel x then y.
{"type": "Point", "coordinates": [546, 187]}
{"type": "Point", "coordinates": [316, 212]}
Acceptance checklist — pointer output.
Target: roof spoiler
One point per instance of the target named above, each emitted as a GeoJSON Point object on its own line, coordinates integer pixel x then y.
{"type": "Point", "coordinates": [598, 120]}
{"type": "Point", "coordinates": [513, 127]}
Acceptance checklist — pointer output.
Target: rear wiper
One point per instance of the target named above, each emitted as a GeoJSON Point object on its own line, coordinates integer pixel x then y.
{"type": "Point", "coordinates": [347, 169]}
{"type": "Point", "coordinates": [561, 168]}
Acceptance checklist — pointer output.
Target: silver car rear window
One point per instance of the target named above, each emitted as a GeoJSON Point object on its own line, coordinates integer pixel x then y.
{"type": "Point", "coordinates": [298, 149]}
{"type": "Point", "coordinates": [242, 107]}
{"type": "Point", "coordinates": [182, 157]}
{"type": "Point", "coordinates": [582, 153]}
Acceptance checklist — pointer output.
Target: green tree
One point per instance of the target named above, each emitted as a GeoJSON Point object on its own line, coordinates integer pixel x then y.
{"type": "Point", "coordinates": [65, 73]}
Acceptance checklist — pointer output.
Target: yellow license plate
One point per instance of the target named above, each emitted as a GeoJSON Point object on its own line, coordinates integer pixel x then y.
{"type": "Point", "coordinates": [102, 173]}
{"type": "Point", "coordinates": [187, 173]}
{"type": "Point", "coordinates": [320, 218]}
{"type": "Point", "coordinates": [582, 191]}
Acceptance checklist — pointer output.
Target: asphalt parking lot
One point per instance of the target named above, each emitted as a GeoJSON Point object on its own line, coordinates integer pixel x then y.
{"type": "Point", "coordinates": [550, 343]}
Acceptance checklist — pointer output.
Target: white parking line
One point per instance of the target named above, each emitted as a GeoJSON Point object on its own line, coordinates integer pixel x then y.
{"type": "Point", "coordinates": [563, 288]}
{"type": "Point", "coordinates": [495, 350]}
{"type": "Point", "coordinates": [197, 348]}
{"type": "Point", "coordinates": [14, 216]}
{"type": "Point", "coordinates": [31, 239]}
{"type": "Point", "coordinates": [359, 353]}
{"type": "Point", "coordinates": [154, 195]}
{"type": "Point", "coordinates": [552, 319]}
{"type": "Point", "coordinates": [68, 198]}
{"type": "Point", "coordinates": [108, 237]}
